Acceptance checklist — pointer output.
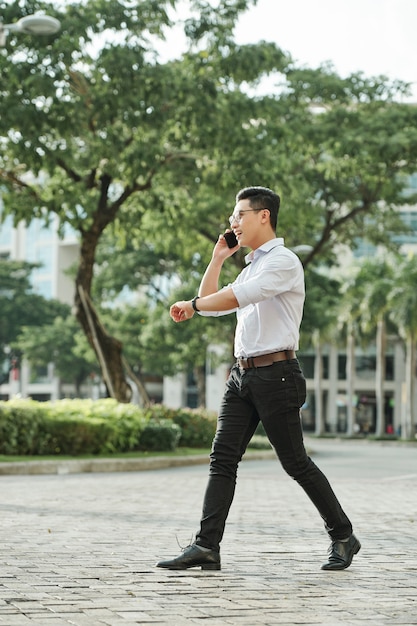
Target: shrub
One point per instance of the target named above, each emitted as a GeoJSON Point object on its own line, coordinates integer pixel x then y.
{"type": "Point", "coordinates": [8, 430]}
{"type": "Point", "coordinates": [198, 426]}
{"type": "Point", "coordinates": [69, 427]}
{"type": "Point", "coordinates": [74, 436]}
{"type": "Point", "coordinates": [75, 427]}
{"type": "Point", "coordinates": [93, 427]}
{"type": "Point", "coordinates": [130, 422]}
{"type": "Point", "coordinates": [20, 421]}
{"type": "Point", "coordinates": [159, 435]}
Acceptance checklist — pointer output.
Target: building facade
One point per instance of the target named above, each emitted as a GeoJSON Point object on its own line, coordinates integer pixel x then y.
{"type": "Point", "coordinates": [330, 395]}
{"type": "Point", "coordinates": [39, 244]}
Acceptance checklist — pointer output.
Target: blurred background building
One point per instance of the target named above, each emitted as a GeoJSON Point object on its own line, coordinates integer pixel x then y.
{"type": "Point", "coordinates": [41, 244]}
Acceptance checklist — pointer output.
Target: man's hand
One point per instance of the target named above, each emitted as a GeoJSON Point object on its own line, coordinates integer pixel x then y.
{"type": "Point", "coordinates": [221, 250]}
{"type": "Point", "coordinates": [181, 311]}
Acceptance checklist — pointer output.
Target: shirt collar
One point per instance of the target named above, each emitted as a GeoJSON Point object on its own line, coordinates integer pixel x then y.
{"type": "Point", "coordinates": [266, 247]}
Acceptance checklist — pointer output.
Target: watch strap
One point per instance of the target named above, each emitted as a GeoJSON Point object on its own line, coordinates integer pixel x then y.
{"type": "Point", "coordinates": [194, 303]}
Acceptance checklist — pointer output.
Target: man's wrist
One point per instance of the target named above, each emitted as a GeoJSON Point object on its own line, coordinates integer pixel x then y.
{"type": "Point", "coordinates": [194, 304]}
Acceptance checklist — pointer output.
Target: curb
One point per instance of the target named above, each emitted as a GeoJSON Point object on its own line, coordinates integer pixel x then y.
{"type": "Point", "coordinates": [85, 466]}
{"type": "Point", "coordinates": [80, 466]}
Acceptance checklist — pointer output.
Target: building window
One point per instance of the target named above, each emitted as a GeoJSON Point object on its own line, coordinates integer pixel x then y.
{"type": "Point", "coordinates": [389, 367]}
{"type": "Point", "coordinates": [365, 367]}
{"type": "Point", "coordinates": [341, 367]}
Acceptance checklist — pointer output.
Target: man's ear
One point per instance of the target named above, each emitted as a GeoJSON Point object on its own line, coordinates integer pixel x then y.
{"type": "Point", "coordinates": [266, 215]}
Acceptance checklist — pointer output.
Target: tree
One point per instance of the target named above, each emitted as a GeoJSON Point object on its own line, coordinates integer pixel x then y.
{"type": "Point", "coordinates": [359, 147]}
{"type": "Point", "coordinates": [59, 343]}
{"type": "Point", "coordinates": [402, 303]}
{"type": "Point", "coordinates": [19, 305]}
{"type": "Point", "coordinates": [353, 293]}
{"type": "Point", "coordinates": [115, 138]}
{"type": "Point", "coordinates": [319, 321]}
{"type": "Point", "coordinates": [154, 278]}
{"type": "Point", "coordinates": [376, 276]}
{"type": "Point", "coordinates": [93, 134]}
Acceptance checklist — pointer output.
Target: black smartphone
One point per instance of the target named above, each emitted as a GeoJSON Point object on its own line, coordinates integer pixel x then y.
{"type": "Point", "coordinates": [231, 240]}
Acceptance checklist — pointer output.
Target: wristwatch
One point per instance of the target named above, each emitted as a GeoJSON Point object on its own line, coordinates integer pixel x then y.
{"type": "Point", "coordinates": [193, 303]}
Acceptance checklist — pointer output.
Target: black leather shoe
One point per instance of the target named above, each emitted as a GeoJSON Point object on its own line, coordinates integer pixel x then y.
{"type": "Point", "coordinates": [193, 556]}
{"type": "Point", "coordinates": [341, 553]}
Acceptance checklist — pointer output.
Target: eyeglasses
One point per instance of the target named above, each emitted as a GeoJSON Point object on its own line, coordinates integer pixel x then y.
{"type": "Point", "coordinates": [237, 217]}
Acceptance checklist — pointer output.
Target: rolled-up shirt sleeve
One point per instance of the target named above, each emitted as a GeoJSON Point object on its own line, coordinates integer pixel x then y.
{"type": "Point", "coordinates": [270, 294]}
{"type": "Point", "coordinates": [275, 276]}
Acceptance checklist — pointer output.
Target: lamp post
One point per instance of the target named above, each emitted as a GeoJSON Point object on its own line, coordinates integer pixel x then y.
{"type": "Point", "coordinates": [31, 25]}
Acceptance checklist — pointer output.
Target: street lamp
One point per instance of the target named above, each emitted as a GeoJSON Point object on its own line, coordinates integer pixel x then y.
{"type": "Point", "coordinates": [30, 24]}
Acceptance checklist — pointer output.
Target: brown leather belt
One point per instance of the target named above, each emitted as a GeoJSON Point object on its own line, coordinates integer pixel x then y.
{"type": "Point", "coordinates": [266, 359]}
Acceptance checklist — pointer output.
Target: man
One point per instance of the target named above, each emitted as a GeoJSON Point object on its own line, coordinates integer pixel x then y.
{"type": "Point", "coordinates": [265, 384]}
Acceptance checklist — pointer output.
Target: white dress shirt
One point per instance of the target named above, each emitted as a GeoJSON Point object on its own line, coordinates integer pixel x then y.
{"type": "Point", "coordinates": [270, 292]}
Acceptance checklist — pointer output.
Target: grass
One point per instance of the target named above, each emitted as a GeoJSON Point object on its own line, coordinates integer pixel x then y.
{"type": "Point", "coordinates": [4, 458]}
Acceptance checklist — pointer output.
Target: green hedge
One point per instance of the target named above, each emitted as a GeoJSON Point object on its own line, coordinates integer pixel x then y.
{"type": "Point", "coordinates": [160, 436]}
{"type": "Point", "coordinates": [74, 427]}
{"type": "Point", "coordinates": [70, 427]}
{"type": "Point", "coordinates": [198, 426]}
{"type": "Point", "coordinates": [20, 425]}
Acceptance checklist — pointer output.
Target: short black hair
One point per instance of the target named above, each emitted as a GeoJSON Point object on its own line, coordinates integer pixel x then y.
{"type": "Point", "coordinates": [262, 198]}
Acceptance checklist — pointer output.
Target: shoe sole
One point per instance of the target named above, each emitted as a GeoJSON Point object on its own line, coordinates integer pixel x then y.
{"type": "Point", "coordinates": [204, 566]}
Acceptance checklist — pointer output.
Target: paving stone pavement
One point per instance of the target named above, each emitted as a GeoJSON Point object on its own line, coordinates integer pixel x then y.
{"type": "Point", "coordinates": [80, 549]}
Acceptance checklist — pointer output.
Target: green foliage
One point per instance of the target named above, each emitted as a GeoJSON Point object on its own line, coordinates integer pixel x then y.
{"type": "Point", "coordinates": [197, 426]}
{"type": "Point", "coordinates": [156, 151]}
{"type": "Point", "coordinates": [61, 342]}
{"type": "Point", "coordinates": [130, 421]}
{"type": "Point", "coordinates": [365, 296]}
{"type": "Point", "coordinates": [19, 305]}
{"type": "Point", "coordinates": [159, 435]}
{"type": "Point", "coordinates": [75, 435]}
{"type": "Point", "coordinates": [20, 425]}
{"type": "Point", "coordinates": [74, 427]}
{"type": "Point", "coordinates": [69, 427]}
{"type": "Point", "coordinates": [321, 305]}
{"type": "Point", "coordinates": [402, 299]}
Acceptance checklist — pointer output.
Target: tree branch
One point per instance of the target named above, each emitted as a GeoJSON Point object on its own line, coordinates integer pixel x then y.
{"type": "Point", "coordinates": [333, 226]}
{"type": "Point", "coordinates": [71, 173]}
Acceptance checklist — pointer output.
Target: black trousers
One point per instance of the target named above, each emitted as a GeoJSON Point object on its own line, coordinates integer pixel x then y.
{"type": "Point", "coordinates": [274, 396]}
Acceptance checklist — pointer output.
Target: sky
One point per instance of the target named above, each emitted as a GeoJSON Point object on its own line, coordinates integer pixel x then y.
{"type": "Point", "coordinates": [376, 37]}
{"type": "Point", "coordinates": [372, 36]}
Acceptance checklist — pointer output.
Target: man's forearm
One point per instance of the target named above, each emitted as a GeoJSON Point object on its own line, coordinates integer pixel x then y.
{"type": "Point", "coordinates": [210, 281]}
{"type": "Point", "coordinates": [224, 300]}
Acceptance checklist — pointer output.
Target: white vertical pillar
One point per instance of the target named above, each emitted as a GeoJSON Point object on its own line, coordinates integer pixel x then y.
{"type": "Point", "coordinates": [331, 413]}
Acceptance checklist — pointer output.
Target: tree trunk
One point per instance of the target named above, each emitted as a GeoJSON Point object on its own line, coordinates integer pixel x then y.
{"type": "Point", "coordinates": [380, 378]}
{"type": "Point", "coordinates": [407, 430]}
{"type": "Point", "coordinates": [108, 349]}
{"type": "Point", "coordinates": [200, 378]}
